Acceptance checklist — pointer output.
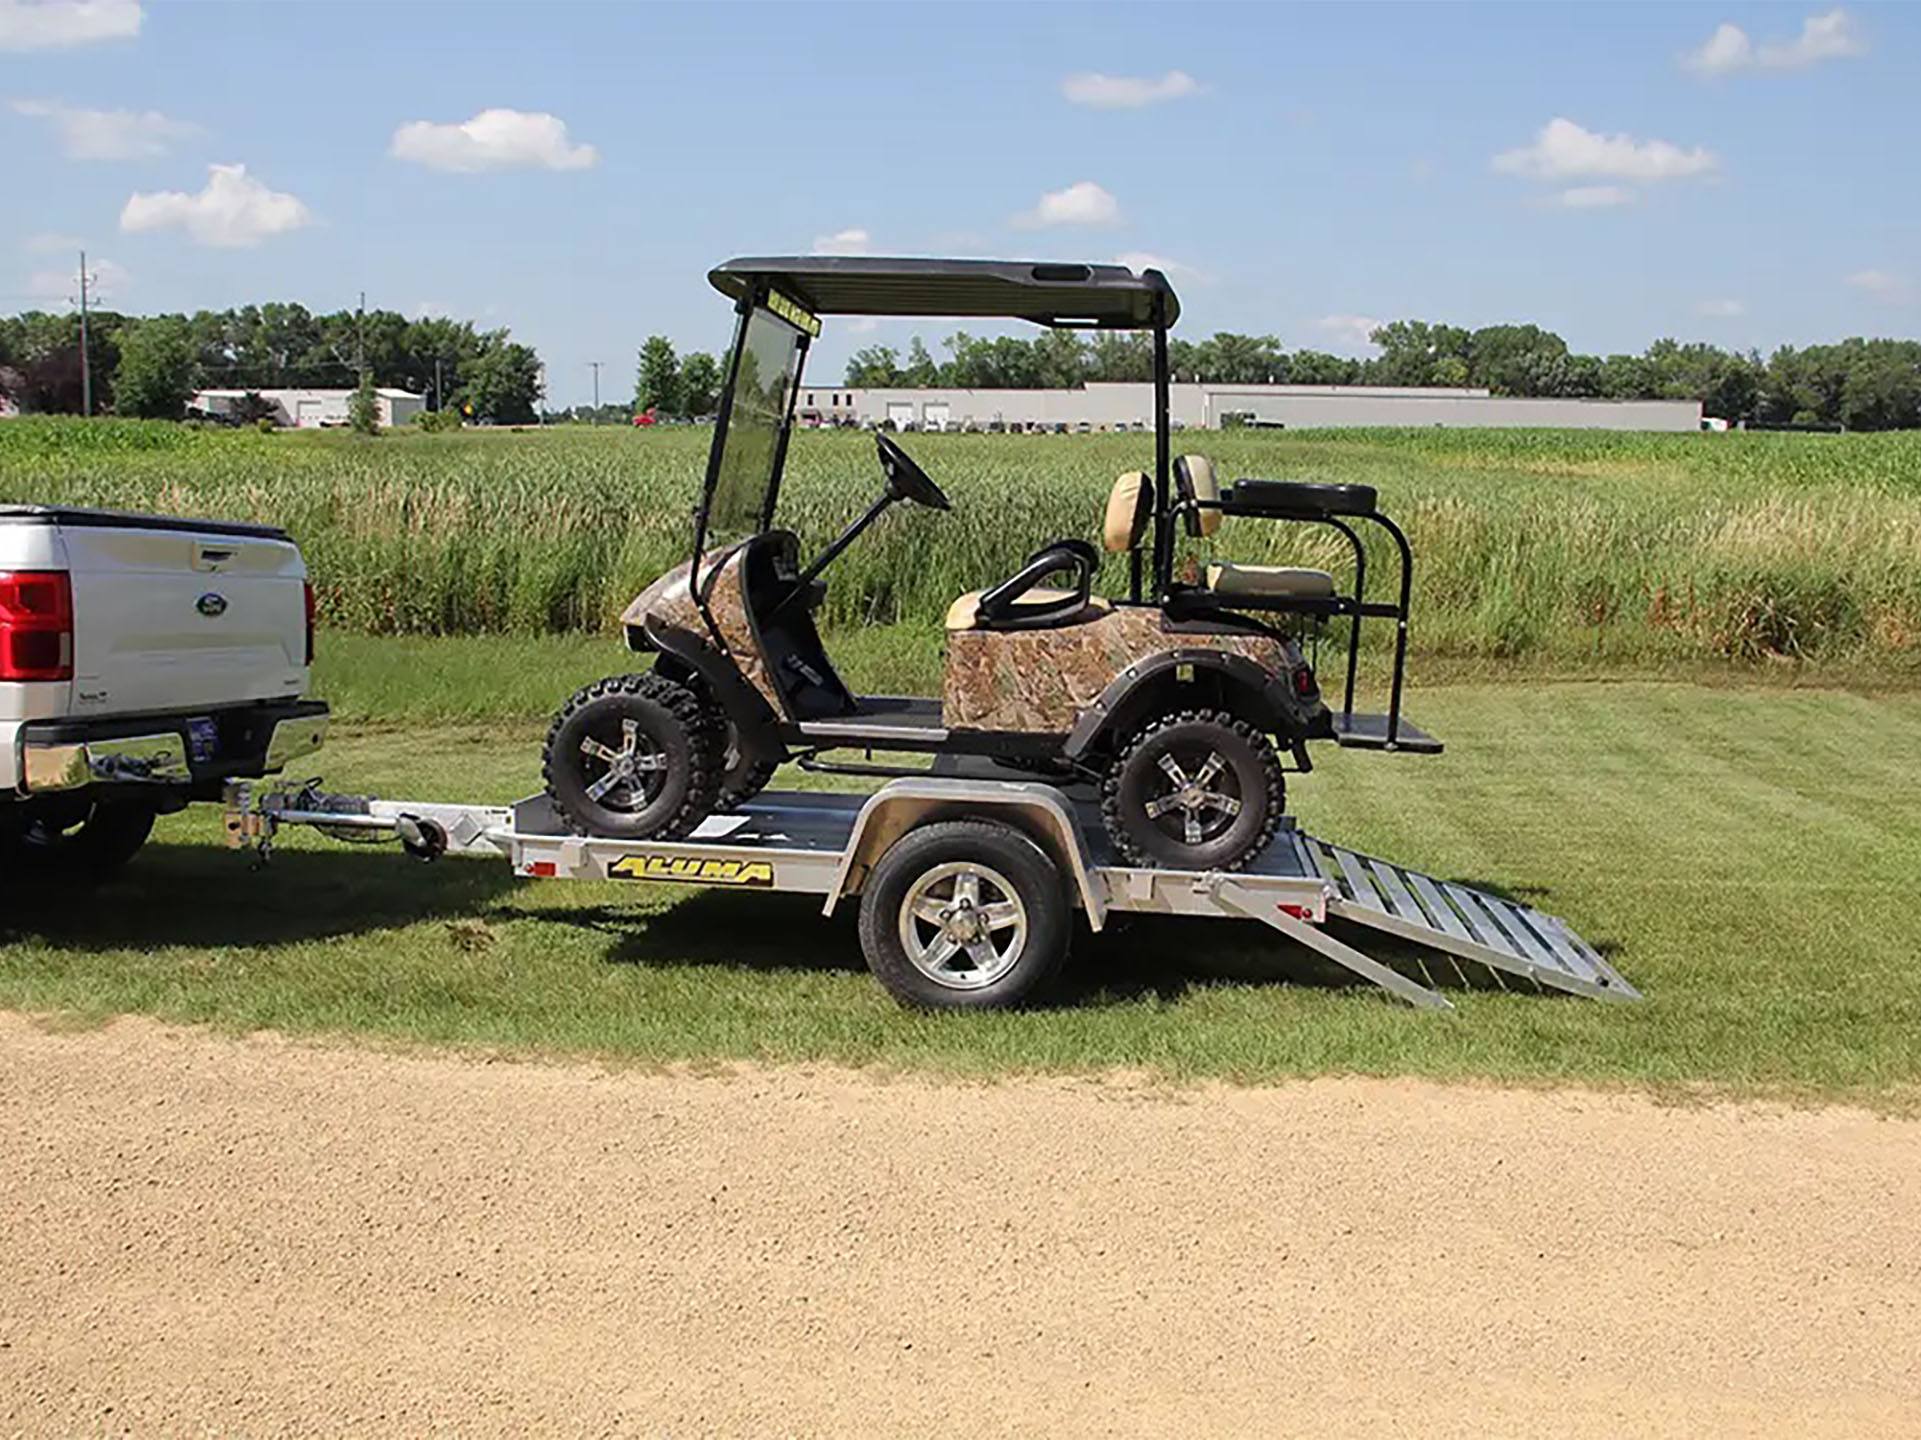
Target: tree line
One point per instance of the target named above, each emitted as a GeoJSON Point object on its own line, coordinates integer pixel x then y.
{"type": "Point", "coordinates": [1854, 384]}
{"type": "Point", "coordinates": [150, 366]}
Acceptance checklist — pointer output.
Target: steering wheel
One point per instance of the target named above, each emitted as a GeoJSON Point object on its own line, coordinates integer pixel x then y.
{"type": "Point", "coordinates": [905, 479]}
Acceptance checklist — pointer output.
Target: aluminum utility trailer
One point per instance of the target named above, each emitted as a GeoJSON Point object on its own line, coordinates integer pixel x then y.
{"type": "Point", "coordinates": [839, 845]}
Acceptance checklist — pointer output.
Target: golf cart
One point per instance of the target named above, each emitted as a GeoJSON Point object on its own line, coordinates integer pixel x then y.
{"type": "Point", "coordinates": [1176, 701]}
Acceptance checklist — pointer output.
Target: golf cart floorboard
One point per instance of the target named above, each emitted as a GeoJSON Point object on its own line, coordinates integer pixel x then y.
{"type": "Point", "coordinates": [882, 717]}
{"type": "Point", "coordinates": [1369, 732]}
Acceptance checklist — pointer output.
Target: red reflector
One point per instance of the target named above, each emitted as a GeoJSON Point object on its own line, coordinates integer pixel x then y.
{"type": "Point", "coordinates": [1304, 681]}
{"type": "Point", "coordinates": [36, 625]}
{"type": "Point", "coordinates": [1299, 912]}
{"type": "Point", "coordinates": [542, 870]}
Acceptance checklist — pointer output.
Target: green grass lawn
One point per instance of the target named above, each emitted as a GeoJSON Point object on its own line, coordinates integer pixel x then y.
{"type": "Point", "coordinates": [1748, 857]}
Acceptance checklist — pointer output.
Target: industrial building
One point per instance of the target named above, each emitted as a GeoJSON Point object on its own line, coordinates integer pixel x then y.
{"type": "Point", "coordinates": [311, 409]}
{"type": "Point", "coordinates": [1127, 405]}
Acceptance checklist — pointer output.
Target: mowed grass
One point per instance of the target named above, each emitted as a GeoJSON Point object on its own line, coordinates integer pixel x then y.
{"type": "Point", "coordinates": [1747, 857]}
{"type": "Point", "coordinates": [1556, 546]}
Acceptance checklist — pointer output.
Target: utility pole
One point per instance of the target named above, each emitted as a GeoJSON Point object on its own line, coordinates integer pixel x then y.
{"type": "Point", "coordinates": [440, 401]}
{"type": "Point", "coordinates": [86, 359]}
{"type": "Point", "coordinates": [360, 337]}
{"type": "Point", "coordinates": [594, 365]}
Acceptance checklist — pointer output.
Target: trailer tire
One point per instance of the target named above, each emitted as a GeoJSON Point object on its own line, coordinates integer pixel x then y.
{"type": "Point", "coordinates": [668, 732]}
{"type": "Point", "coordinates": [1188, 744]}
{"type": "Point", "coordinates": [964, 915]}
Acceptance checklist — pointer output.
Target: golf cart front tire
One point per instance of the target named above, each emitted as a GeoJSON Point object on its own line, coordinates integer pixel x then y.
{"type": "Point", "coordinates": [965, 915]}
{"type": "Point", "coordinates": [657, 718]}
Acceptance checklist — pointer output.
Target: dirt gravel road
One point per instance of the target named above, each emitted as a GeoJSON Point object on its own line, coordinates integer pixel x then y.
{"type": "Point", "coordinates": [259, 1237]}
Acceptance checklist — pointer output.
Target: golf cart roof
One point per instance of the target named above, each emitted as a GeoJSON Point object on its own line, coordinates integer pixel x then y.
{"type": "Point", "coordinates": [1103, 297]}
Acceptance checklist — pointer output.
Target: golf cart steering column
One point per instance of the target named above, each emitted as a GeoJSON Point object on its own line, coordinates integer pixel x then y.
{"type": "Point", "coordinates": [832, 552]}
{"type": "Point", "coordinates": [905, 481]}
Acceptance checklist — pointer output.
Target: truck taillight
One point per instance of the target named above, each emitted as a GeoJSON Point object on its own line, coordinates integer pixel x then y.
{"type": "Point", "coordinates": [308, 587]}
{"type": "Point", "coordinates": [36, 625]}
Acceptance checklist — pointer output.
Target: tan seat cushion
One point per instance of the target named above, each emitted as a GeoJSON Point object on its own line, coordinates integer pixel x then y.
{"type": "Point", "coordinates": [1130, 505]}
{"type": "Point", "coordinates": [1194, 478]}
{"type": "Point", "coordinates": [962, 614]}
{"type": "Point", "coordinates": [1269, 581]}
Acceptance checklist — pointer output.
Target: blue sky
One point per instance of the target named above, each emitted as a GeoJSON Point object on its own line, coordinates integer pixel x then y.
{"type": "Point", "coordinates": [1739, 173]}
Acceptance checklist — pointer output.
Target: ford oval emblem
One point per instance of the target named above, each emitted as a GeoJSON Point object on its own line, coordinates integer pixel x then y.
{"type": "Point", "coordinates": [211, 605]}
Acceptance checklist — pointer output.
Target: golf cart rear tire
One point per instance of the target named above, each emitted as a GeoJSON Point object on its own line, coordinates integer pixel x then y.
{"type": "Point", "coordinates": [1135, 777]}
{"type": "Point", "coordinates": [675, 724]}
{"type": "Point", "coordinates": [1002, 851]}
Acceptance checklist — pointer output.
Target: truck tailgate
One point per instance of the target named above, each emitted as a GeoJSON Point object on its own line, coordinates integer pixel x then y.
{"type": "Point", "coordinates": [174, 618]}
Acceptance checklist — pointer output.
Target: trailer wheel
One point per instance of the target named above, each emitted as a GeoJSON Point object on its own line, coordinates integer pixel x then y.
{"type": "Point", "coordinates": [635, 757]}
{"type": "Point", "coordinates": [1194, 790]}
{"type": "Point", "coordinates": [964, 915]}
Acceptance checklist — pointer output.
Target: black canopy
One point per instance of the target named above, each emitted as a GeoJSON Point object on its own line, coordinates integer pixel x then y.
{"type": "Point", "coordinates": [1106, 297]}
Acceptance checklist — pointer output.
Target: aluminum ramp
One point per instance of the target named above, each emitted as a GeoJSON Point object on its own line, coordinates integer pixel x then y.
{"type": "Point", "coordinates": [1507, 937]}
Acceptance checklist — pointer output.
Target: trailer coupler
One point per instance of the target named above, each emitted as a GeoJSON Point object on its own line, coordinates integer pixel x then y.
{"type": "Point", "coordinates": [255, 814]}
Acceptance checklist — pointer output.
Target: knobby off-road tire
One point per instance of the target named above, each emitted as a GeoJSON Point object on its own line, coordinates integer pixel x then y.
{"type": "Point", "coordinates": [1228, 757]}
{"type": "Point", "coordinates": [741, 778]}
{"type": "Point", "coordinates": [676, 744]}
{"type": "Point", "coordinates": [965, 915]}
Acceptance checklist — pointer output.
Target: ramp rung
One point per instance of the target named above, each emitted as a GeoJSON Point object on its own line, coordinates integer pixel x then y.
{"type": "Point", "coordinates": [1468, 924]}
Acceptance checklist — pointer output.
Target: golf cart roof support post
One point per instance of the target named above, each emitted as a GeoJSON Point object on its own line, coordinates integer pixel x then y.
{"type": "Point", "coordinates": [1163, 520]}
{"type": "Point", "coordinates": [1400, 624]}
{"type": "Point", "coordinates": [786, 429]}
{"type": "Point", "coordinates": [743, 308]}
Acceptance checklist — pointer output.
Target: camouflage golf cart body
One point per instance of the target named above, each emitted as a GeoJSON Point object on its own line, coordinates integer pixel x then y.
{"type": "Point", "coordinates": [1176, 700]}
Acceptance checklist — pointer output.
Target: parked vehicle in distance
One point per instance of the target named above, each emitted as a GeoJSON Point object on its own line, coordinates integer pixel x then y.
{"type": "Point", "coordinates": [145, 660]}
{"type": "Point", "coordinates": [647, 417]}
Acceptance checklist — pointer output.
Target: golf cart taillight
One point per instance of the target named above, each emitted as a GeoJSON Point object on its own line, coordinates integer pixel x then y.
{"type": "Point", "coordinates": [1304, 681]}
{"type": "Point", "coordinates": [36, 625]}
{"type": "Point", "coordinates": [308, 587]}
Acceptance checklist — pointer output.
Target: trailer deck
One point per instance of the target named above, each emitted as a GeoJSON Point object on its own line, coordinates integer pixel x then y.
{"type": "Point", "coordinates": [1314, 892]}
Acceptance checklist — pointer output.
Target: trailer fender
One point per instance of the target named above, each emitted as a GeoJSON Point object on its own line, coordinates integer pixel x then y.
{"type": "Point", "coordinates": [1037, 811]}
{"type": "Point", "coordinates": [753, 719]}
{"type": "Point", "coordinates": [1242, 686]}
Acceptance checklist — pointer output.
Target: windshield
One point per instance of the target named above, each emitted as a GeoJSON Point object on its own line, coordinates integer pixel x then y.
{"type": "Point", "coordinates": [749, 443]}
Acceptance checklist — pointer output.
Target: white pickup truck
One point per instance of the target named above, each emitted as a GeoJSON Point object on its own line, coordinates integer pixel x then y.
{"type": "Point", "coordinates": [144, 661]}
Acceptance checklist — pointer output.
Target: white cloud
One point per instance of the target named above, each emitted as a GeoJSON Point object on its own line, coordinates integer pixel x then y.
{"type": "Point", "coordinates": [493, 140]}
{"type": "Point", "coordinates": [1823, 37]}
{"type": "Point", "coordinates": [852, 241]}
{"type": "Point", "coordinates": [106, 278]}
{"type": "Point", "coordinates": [1082, 203]}
{"type": "Point", "coordinates": [48, 242]}
{"type": "Point", "coordinates": [234, 210]}
{"type": "Point", "coordinates": [1596, 197]}
{"type": "Point", "coordinates": [55, 24]}
{"type": "Point", "coordinates": [1720, 309]}
{"type": "Point", "coordinates": [1128, 92]}
{"type": "Point", "coordinates": [1565, 151]}
{"type": "Point", "coordinates": [1883, 285]}
{"type": "Point", "coordinates": [108, 134]}
{"type": "Point", "coordinates": [1349, 331]}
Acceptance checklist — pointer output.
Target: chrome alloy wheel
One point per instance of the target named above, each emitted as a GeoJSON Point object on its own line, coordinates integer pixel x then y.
{"type": "Point", "coordinates": [963, 925]}
{"type": "Point", "coordinates": [633, 771]}
{"type": "Point", "coordinates": [1194, 802]}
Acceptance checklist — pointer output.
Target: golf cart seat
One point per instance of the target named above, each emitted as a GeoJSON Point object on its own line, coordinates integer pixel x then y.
{"type": "Point", "coordinates": [1201, 492]}
{"type": "Point", "coordinates": [1022, 604]}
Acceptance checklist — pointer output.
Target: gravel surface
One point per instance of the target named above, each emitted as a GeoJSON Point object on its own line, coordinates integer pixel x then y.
{"type": "Point", "coordinates": [260, 1237]}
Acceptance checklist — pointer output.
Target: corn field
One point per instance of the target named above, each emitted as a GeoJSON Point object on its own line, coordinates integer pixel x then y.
{"type": "Point", "coordinates": [1528, 544]}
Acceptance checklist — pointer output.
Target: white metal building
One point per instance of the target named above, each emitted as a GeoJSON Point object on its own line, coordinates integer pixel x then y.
{"type": "Point", "coordinates": [313, 409]}
{"type": "Point", "coordinates": [1117, 405]}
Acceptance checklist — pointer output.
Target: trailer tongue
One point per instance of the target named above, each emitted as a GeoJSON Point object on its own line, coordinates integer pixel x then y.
{"type": "Point", "coordinates": [950, 903]}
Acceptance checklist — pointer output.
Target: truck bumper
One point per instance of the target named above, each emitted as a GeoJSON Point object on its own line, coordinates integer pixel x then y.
{"type": "Point", "coordinates": [159, 750]}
